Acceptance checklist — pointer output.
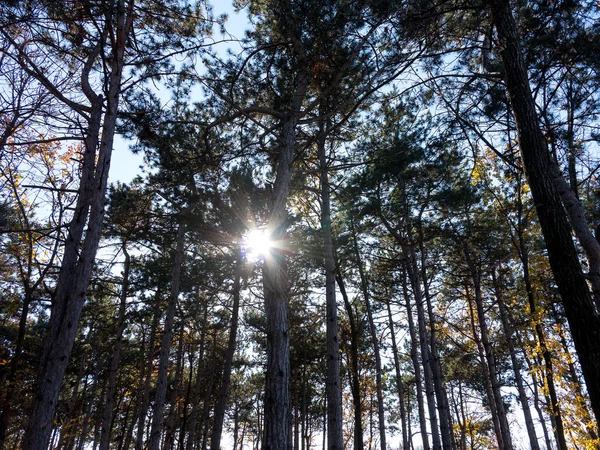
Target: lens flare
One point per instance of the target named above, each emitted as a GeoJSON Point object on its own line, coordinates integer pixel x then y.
{"type": "Point", "coordinates": [256, 245]}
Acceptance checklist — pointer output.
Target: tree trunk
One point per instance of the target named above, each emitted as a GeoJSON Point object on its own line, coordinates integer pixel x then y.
{"type": "Point", "coordinates": [508, 334]}
{"type": "Point", "coordinates": [486, 372]}
{"type": "Point", "coordinates": [145, 397]}
{"type": "Point", "coordinates": [413, 275]}
{"type": "Point", "coordinates": [414, 343]}
{"type": "Point", "coordinates": [375, 341]}
{"type": "Point", "coordinates": [504, 439]}
{"type": "Point", "coordinates": [170, 425]}
{"type": "Point", "coordinates": [193, 420]}
{"type": "Point", "coordinates": [448, 442]}
{"type": "Point", "coordinates": [580, 310]}
{"type": "Point", "coordinates": [277, 432]}
{"type": "Point", "coordinates": [220, 407]}
{"type": "Point", "coordinates": [399, 383]}
{"type": "Point", "coordinates": [165, 344]}
{"type": "Point", "coordinates": [548, 369]}
{"type": "Point", "coordinates": [581, 398]}
{"type": "Point", "coordinates": [80, 250]}
{"type": "Point", "coordinates": [412, 270]}
{"type": "Point", "coordinates": [114, 364]}
{"type": "Point", "coordinates": [333, 385]}
{"type": "Point", "coordinates": [354, 369]}
{"type": "Point", "coordinates": [206, 404]}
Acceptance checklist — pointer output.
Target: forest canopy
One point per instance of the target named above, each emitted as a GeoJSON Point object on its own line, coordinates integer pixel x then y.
{"type": "Point", "coordinates": [357, 225]}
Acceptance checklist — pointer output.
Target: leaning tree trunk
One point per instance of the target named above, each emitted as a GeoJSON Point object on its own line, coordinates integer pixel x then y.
{"type": "Point", "coordinates": [80, 248]}
{"type": "Point", "coordinates": [584, 320]}
{"type": "Point", "coordinates": [333, 386]}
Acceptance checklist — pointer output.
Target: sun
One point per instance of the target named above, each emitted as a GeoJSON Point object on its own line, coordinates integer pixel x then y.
{"type": "Point", "coordinates": [256, 245]}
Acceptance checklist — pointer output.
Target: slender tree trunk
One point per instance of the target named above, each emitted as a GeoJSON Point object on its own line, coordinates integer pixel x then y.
{"type": "Point", "coordinates": [413, 275]}
{"type": "Point", "coordinates": [114, 364]}
{"type": "Point", "coordinates": [584, 320]}
{"type": "Point", "coordinates": [208, 393]}
{"type": "Point", "coordinates": [571, 148]}
{"type": "Point", "coordinates": [412, 269]}
{"type": "Point", "coordinates": [536, 316]}
{"type": "Point", "coordinates": [10, 382]}
{"type": "Point", "coordinates": [354, 369]}
{"type": "Point", "coordinates": [86, 419]}
{"type": "Point", "coordinates": [188, 399]}
{"type": "Point", "coordinates": [170, 425]}
{"type": "Point", "coordinates": [504, 439]}
{"type": "Point", "coordinates": [416, 365]}
{"type": "Point", "coordinates": [548, 369]}
{"type": "Point", "coordinates": [538, 408]}
{"type": "Point", "coordinates": [508, 334]}
{"type": "Point", "coordinates": [145, 397]}
{"type": "Point", "coordinates": [333, 386]}
{"type": "Point", "coordinates": [375, 340]}
{"type": "Point", "coordinates": [165, 344]}
{"type": "Point", "coordinates": [221, 406]}
{"type": "Point", "coordinates": [192, 423]}
{"type": "Point", "coordinates": [448, 442]}
{"type": "Point", "coordinates": [399, 383]}
{"type": "Point", "coordinates": [486, 372]}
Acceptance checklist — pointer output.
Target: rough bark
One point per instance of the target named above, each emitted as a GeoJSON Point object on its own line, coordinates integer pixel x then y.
{"type": "Point", "coordinates": [277, 430]}
{"type": "Point", "coordinates": [580, 310]}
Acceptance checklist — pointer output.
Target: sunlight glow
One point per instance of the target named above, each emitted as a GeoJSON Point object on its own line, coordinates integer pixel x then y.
{"type": "Point", "coordinates": [256, 245]}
